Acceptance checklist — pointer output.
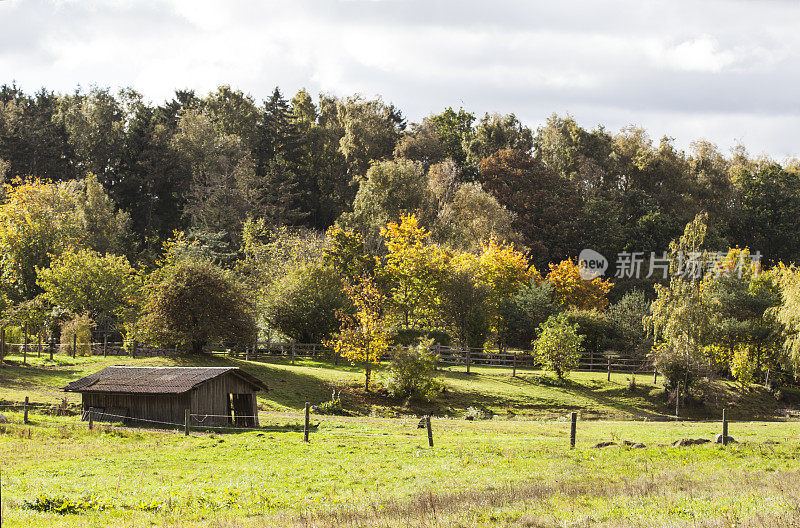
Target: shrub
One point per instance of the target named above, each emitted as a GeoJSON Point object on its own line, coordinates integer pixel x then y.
{"type": "Point", "coordinates": [63, 505]}
{"type": "Point", "coordinates": [676, 366]}
{"type": "Point", "coordinates": [558, 347]}
{"type": "Point", "coordinates": [412, 336]}
{"type": "Point", "coordinates": [80, 327]}
{"type": "Point", "coordinates": [333, 407]}
{"type": "Point", "coordinates": [412, 372]}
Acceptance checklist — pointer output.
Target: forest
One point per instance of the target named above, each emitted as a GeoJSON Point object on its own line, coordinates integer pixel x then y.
{"type": "Point", "coordinates": [335, 220]}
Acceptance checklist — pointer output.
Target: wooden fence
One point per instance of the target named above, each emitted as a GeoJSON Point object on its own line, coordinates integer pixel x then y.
{"type": "Point", "coordinates": [451, 356]}
{"type": "Point", "coordinates": [266, 350]}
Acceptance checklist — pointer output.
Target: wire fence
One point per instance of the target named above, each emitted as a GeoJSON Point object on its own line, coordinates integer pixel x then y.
{"type": "Point", "coordinates": [341, 427]}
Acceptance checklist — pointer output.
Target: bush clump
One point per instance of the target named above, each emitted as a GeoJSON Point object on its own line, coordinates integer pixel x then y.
{"type": "Point", "coordinates": [63, 505]}
{"type": "Point", "coordinates": [412, 373]}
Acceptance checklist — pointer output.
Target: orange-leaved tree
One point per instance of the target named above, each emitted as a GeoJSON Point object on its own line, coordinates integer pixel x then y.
{"type": "Point", "coordinates": [570, 290]}
{"type": "Point", "coordinates": [363, 336]}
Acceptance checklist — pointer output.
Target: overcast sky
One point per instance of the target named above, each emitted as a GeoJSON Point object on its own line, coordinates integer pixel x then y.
{"type": "Point", "coordinates": [726, 71]}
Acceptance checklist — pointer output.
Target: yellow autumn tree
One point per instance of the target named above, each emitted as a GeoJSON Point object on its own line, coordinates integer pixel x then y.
{"type": "Point", "coordinates": [415, 269]}
{"type": "Point", "coordinates": [37, 223]}
{"type": "Point", "coordinates": [363, 336]}
{"type": "Point", "coordinates": [502, 271]}
{"type": "Point", "coordinates": [570, 290]}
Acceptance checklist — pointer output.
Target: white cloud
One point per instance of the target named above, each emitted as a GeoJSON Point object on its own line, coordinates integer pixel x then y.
{"type": "Point", "coordinates": [699, 54]}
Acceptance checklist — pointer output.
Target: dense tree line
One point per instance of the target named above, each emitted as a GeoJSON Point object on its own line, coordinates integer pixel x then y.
{"type": "Point", "coordinates": [460, 226]}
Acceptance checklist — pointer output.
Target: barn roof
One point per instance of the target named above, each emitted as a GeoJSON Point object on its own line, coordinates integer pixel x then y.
{"type": "Point", "coordinates": [154, 380]}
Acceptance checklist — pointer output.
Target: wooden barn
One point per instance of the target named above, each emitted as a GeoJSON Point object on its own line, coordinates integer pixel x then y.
{"type": "Point", "coordinates": [215, 396]}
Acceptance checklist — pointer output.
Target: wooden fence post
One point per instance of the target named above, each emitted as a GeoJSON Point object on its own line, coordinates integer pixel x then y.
{"type": "Point", "coordinates": [655, 375]}
{"type": "Point", "coordinates": [91, 418]}
{"type": "Point", "coordinates": [514, 371]}
{"type": "Point", "coordinates": [52, 347]}
{"type": "Point", "coordinates": [293, 352]}
{"type": "Point", "coordinates": [430, 430]}
{"type": "Point", "coordinates": [724, 428]}
{"type": "Point", "coordinates": [186, 423]}
{"type": "Point", "coordinates": [573, 429]}
{"type": "Point", "coordinates": [306, 424]}
{"type": "Point", "coordinates": [74, 344]}
{"type": "Point", "coordinates": [25, 411]}
{"type": "Point", "coordinates": [468, 359]}
{"type": "Point", "coordinates": [609, 368]}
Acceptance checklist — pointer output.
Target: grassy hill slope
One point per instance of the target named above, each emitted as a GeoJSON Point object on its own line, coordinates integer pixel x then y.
{"type": "Point", "coordinates": [531, 393]}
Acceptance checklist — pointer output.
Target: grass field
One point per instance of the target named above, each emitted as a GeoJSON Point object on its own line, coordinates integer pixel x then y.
{"type": "Point", "coordinates": [514, 470]}
{"type": "Point", "coordinates": [381, 472]}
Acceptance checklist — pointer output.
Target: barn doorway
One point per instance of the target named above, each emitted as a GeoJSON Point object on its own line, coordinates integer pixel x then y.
{"type": "Point", "coordinates": [241, 410]}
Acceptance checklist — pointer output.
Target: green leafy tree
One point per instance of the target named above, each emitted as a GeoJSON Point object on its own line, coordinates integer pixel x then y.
{"type": "Point", "coordinates": [497, 132]}
{"type": "Point", "coordinates": [769, 208]}
{"type": "Point", "coordinates": [303, 304]}
{"type": "Point", "coordinates": [466, 309]}
{"type": "Point", "coordinates": [627, 315]}
{"type": "Point", "coordinates": [77, 331]}
{"type": "Point", "coordinates": [390, 190]}
{"type": "Point", "coordinates": [104, 287]}
{"type": "Point", "coordinates": [346, 254]}
{"type": "Point", "coordinates": [370, 132]}
{"type": "Point", "coordinates": [559, 345]}
{"type": "Point", "coordinates": [454, 129]}
{"type": "Point", "coordinates": [193, 303]}
{"type": "Point", "coordinates": [524, 312]}
{"type": "Point", "coordinates": [679, 319]}
{"type": "Point", "coordinates": [223, 185]}
{"type": "Point", "coordinates": [95, 125]}
{"type": "Point", "coordinates": [741, 302]}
